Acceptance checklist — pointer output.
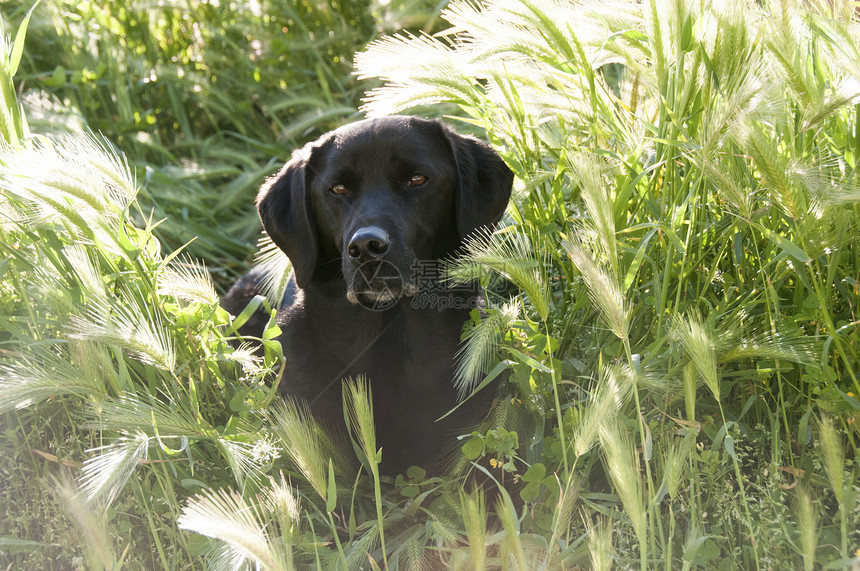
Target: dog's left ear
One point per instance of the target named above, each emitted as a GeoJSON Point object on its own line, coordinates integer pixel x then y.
{"type": "Point", "coordinates": [485, 183]}
{"type": "Point", "coordinates": [284, 211]}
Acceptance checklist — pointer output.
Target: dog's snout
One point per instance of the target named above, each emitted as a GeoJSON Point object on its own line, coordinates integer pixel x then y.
{"type": "Point", "coordinates": [369, 243]}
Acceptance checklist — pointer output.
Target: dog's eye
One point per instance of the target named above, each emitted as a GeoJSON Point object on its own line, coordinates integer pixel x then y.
{"type": "Point", "coordinates": [417, 180]}
{"type": "Point", "coordinates": [339, 189]}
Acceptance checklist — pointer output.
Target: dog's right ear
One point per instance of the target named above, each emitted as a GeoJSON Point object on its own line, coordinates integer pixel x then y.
{"type": "Point", "coordinates": [484, 186]}
{"type": "Point", "coordinates": [284, 210]}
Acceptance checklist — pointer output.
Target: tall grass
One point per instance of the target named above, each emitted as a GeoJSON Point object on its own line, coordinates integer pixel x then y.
{"type": "Point", "coordinates": [688, 182]}
{"type": "Point", "coordinates": [206, 99]}
{"type": "Point", "coordinates": [93, 334]}
{"type": "Point", "coordinates": [674, 294]}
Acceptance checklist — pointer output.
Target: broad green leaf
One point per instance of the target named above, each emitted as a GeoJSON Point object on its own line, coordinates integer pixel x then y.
{"type": "Point", "coordinates": [18, 46]}
{"type": "Point", "coordinates": [648, 452]}
{"type": "Point", "coordinates": [530, 361]}
{"type": "Point", "coordinates": [783, 244]}
{"type": "Point", "coordinates": [730, 447]}
{"type": "Point", "coordinates": [255, 303]}
{"type": "Point", "coordinates": [416, 473]}
{"type": "Point", "coordinates": [633, 268]}
{"type": "Point", "coordinates": [331, 492]}
{"type": "Point", "coordinates": [473, 448]}
{"type": "Point", "coordinates": [535, 473]}
{"type": "Point", "coordinates": [804, 435]}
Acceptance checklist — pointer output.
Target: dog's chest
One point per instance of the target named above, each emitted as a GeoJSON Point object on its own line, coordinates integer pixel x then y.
{"type": "Point", "coordinates": [406, 356]}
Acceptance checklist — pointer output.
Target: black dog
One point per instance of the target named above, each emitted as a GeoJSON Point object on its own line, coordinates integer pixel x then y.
{"type": "Point", "coordinates": [364, 214]}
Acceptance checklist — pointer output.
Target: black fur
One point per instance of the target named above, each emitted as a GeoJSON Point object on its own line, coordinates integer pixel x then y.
{"type": "Point", "coordinates": [361, 307]}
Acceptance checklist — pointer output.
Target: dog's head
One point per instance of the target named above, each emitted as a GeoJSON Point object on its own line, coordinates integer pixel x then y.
{"type": "Point", "coordinates": [373, 198]}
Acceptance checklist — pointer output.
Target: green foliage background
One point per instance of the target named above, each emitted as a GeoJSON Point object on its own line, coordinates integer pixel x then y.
{"type": "Point", "coordinates": [204, 98]}
{"type": "Point", "coordinates": [673, 292]}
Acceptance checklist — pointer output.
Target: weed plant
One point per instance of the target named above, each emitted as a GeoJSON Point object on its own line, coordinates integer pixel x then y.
{"type": "Point", "coordinates": [672, 318]}
{"type": "Point", "coordinates": [205, 99]}
{"type": "Point", "coordinates": [685, 243]}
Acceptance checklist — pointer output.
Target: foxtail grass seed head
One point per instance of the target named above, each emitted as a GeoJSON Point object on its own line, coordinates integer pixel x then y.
{"type": "Point", "coordinates": [250, 361]}
{"type": "Point", "coordinates": [480, 346]}
{"type": "Point", "coordinates": [512, 548]}
{"type": "Point", "coordinates": [589, 173]}
{"type": "Point", "coordinates": [74, 181]}
{"type": "Point", "coordinates": [298, 432]}
{"type": "Point", "coordinates": [513, 254]}
{"type": "Point", "coordinates": [611, 393]}
{"type": "Point", "coordinates": [699, 341]}
{"type": "Point", "coordinates": [276, 270]}
{"type": "Point", "coordinates": [474, 513]}
{"type": "Point", "coordinates": [188, 281]}
{"type": "Point", "coordinates": [283, 501]}
{"type": "Point", "coordinates": [623, 467]}
{"type": "Point", "coordinates": [358, 409]}
{"type": "Point", "coordinates": [676, 463]}
{"type": "Point", "coordinates": [91, 523]}
{"type": "Point", "coordinates": [603, 289]}
{"type": "Point", "coordinates": [832, 456]}
{"type": "Point", "coordinates": [241, 524]}
{"type": "Point", "coordinates": [418, 70]}
{"type": "Point", "coordinates": [247, 459]}
{"type": "Point", "coordinates": [170, 416]}
{"type": "Point", "coordinates": [122, 321]}
{"type": "Point", "coordinates": [568, 501]}
{"type": "Point", "coordinates": [104, 475]}
{"type": "Point", "coordinates": [47, 371]}
{"type": "Point", "coordinates": [806, 512]}
{"type": "Point", "coordinates": [599, 541]}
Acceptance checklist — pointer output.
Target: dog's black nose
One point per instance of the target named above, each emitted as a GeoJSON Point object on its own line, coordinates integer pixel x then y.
{"type": "Point", "coordinates": [368, 243]}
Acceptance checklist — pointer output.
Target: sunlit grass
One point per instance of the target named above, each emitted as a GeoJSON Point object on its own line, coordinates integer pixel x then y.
{"type": "Point", "coordinates": [688, 158]}
{"type": "Point", "coordinates": [672, 297]}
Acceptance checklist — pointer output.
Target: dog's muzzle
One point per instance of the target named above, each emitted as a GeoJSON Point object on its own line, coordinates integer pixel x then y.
{"type": "Point", "coordinates": [378, 281]}
{"type": "Point", "coordinates": [372, 278]}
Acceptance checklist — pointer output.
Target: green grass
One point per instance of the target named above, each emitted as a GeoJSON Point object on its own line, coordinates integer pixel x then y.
{"type": "Point", "coordinates": [688, 197]}
{"type": "Point", "coordinates": [673, 292]}
{"type": "Point", "coordinates": [204, 99]}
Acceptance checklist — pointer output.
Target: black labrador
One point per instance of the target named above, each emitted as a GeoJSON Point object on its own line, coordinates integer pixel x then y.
{"type": "Point", "coordinates": [364, 214]}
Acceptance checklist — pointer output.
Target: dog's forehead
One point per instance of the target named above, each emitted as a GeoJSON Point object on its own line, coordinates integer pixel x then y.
{"type": "Point", "coordinates": [390, 136]}
{"type": "Point", "coordinates": [391, 125]}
